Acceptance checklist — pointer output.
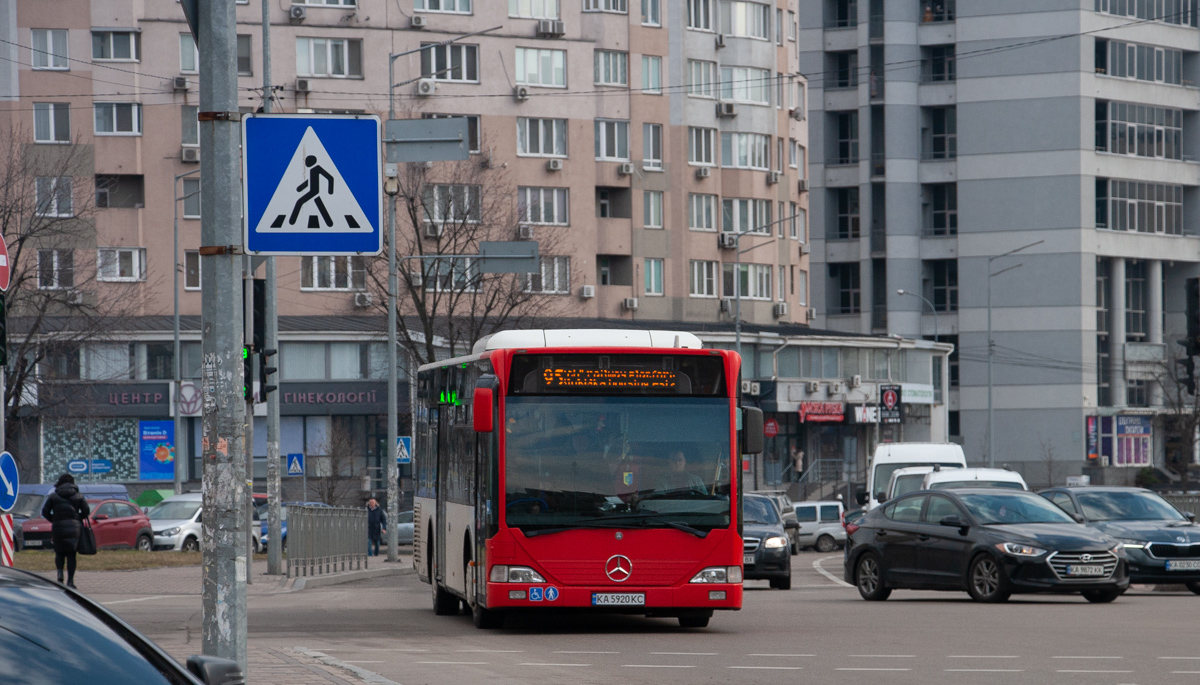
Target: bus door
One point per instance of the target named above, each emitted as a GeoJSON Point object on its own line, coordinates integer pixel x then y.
{"type": "Point", "coordinates": [486, 490]}
{"type": "Point", "coordinates": [440, 439]}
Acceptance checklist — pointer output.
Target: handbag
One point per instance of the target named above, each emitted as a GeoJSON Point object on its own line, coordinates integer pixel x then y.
{"type": "Point", "coordinates": [87, 538]}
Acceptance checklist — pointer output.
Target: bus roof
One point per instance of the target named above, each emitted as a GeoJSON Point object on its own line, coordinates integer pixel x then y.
{"type": "Point", "coordinates": [587, 337]}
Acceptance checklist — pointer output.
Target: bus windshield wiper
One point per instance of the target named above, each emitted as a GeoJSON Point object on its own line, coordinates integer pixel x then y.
{"type": "Point", "coordinates": [608, 523]}
{"type": "Point", "coordinates": [563, 529]}
{"type": "Point", "coordinates": [645, 518]}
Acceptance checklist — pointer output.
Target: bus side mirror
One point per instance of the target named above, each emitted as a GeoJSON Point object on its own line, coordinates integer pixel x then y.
{"type": "Point", "coordinates": [752, 430]}
{"type": "Point", "coordinates": [482, 411]}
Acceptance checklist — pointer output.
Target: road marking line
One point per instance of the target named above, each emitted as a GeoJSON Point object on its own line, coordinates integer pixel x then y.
{"type": "Point", "coordinates": [141, 599]}
{"type": "Point", "coordinates": [1087, 657]}
{"type": "Point", "coordinates": [981, 656]}
{"type": "Point", "coordinates": [1186, 672]}
{"type": "Point", "coordinates": [770, 668]}
{"type": "Point", "coordinates": [491, 651]}
{"type": "Point", "coordinates": [883, 656]}
{"type": "Point", "coordinates": [684, 653]}
{"type": "Point", "coordinates": [984, 670]}
{"type": "Point", "coordinates": [364, 662]}
{"type": "Point", "coordinates": [819, 569]}
{"type": "Point", "coordinates": [874, 669]}
{"type": "Point", "coordinates": [1181, 658]}
{"type": "Point", "coordinates": [785, 655]}
{"type": "Point", "coordinates": [569, 652]}
{"type": "Point", "coordinates": [1080, 671]}
{"type": "Point", "coordinates": [654, 666]}
{"type": "Point", "coordinates": [454, 663]}
{"type": "Point", "coordinates": [531, 663]}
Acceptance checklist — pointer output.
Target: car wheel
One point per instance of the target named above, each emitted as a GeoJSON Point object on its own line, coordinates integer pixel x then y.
{"type": "Point", "coordinates": [191, 545]}
{"type": "Point", "coordinates": [795, 548]}
{"type": "Point", "coordinates": [695, 621]}
{"type": "Point", "coordinates": [1194, 586]}
{"type": "Point", "coordinates": [1101, 596]}
{"type": "Point", "coordinates": [144, 543]}
{"type": "Point", "coordinates": [826, 544]}
{"type": "Point", "coordinates": [868, 576]}
{"type": "Point", "coordinates": [781, 583]}
{"type": "Point", "coordinates": [986, 581]}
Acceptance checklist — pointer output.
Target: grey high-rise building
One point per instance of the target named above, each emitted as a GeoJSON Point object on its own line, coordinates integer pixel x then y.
{"type": "Point", "coordinates": [944, 137]}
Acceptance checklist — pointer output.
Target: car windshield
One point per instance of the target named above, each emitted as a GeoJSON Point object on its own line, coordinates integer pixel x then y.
{"type": "Point", "coordinates": [883, 472]}
{"type": "Point", "coordinates": [906, 484]}
{"type": "Point", "coordinates": [173, 511]}
{"type": "Point", "coordinates": [951, 484]}
{"type": "Point", "coordinates": [625, 460]}
{"type": "Point", "coordinates": [1127, 506]}
{"type": "Point", "coordinates": [28, 506]}
{"type": "Point", "coordinates": [1015, 507]}
{"type": "Point", "coordinates": [759, 510]}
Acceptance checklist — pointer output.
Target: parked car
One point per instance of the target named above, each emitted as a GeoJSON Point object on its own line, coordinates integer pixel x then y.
{"type": "Point", "coordinates": [819, 525]}
{"type": "Point", "coordinates": [903, 481]}
{"type": "Point", "coordinates": [783, 504]}
{"type": "Point", "coordinates": [1162, 543]}
{"type": "Point", "coordinates": [765, 553]}
{"type": "Point", "coordinates": [52, 634]}
{"type": "Point", "coordinates": [264, 539]}
{"type": "Point", "coordinates": [117, 523]}
{"type": "Point", "coordinates": [177, 523]}
{"type": "Point", "coordinates": [946, 479]}
{"type": "Point", "coordinates": [990, 542]}
{"type": "Point", "coordinates": [33, 496]}
{"type": "Point", "coordinates": [897, 455]}
{"type": "Point", "coordinates": [851, 518]}
{"type": "Point", "coordinates": [404, 529]}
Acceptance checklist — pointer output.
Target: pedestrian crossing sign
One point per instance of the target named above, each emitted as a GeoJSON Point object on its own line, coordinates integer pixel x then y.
{"type": "Point", "coordinates": [295, 464]}
{"type": "Point", "coordinates": [312, 184]}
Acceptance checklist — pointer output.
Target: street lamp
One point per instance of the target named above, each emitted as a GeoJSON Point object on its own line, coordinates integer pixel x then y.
{"type": "Point", "coordinates": [737, 274]}
{"type": "Point", "coordinates": [991, 346]}
{"type": "Point", "coordinates": [177, 376]}
{"type": "Point", "coordinates": [932, 309]}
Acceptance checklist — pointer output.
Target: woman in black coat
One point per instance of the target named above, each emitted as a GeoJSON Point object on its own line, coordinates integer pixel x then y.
{"type": "Point", "coordinates": [65, 509]}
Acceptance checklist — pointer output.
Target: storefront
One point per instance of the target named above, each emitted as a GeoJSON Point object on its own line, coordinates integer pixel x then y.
{"type": "Point", "coordinates": [1123, 440]}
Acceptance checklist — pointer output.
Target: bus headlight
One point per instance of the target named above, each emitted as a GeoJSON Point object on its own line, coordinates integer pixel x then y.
{"type": "Point", "coordinates": [514, 574]}
{"type": "Point", "coordinates": [719, 574]}
{"type": "Point", "coordinates": [775, 543]}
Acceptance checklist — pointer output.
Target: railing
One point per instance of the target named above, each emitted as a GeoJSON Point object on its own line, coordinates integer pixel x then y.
{"type": "Point", "coordinates": [937, 11]}
{"type": "Point", "coordinates": [819, 474]}
{"type": "Point", "coordinates": [1184, 502]}
{"type": "Point", "coordinates": [323, 540]}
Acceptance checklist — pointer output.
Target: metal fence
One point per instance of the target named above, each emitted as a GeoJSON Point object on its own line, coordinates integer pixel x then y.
{"type": "Point", "coordinates": [324, 540]}
{"type": "Point", "coordinates": [1185, 502]}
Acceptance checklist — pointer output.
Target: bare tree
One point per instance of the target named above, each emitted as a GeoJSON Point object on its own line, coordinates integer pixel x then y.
{"type": "Point", "coordinates": [1048, 456]}
{"type": "Point", "coordinates": [1182, 415]}
{"type": "Point", "coordinates": [340, 469]}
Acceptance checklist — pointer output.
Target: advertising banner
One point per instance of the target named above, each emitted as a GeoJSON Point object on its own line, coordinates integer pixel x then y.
{"type": "Point", "coordinates": [889, 399]}
{"type": "Point", "coordinates": [156, 450]}
{"type": "Point", "coordinates": [822, 412]}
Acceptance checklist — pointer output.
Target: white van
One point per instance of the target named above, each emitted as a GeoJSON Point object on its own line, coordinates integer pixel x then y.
{"type": "Point", "coordinates": [973, 478]}
{"type": "Point", "coordinates": [891, 456]}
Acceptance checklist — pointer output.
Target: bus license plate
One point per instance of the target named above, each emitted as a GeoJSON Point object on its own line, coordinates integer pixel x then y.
{"type": "Point", "coordinates": [33, 543]}
{"type": "Point", "coordinates": [1092, 570]}
{"type": "Point", "coordinates": [748, 560]}
{"type": "Point", "coordinates": [1183, 564]}
{"type": "Point", "coordinates": [618, 599]}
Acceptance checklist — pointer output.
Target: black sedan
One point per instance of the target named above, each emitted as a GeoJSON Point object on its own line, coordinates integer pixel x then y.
{"type": "Point", "coordinates": [765, 553]}
{"type": "Point", "coordinates": [990, 542]}
{"type": "Point", "coordinates": [1162, 544]}
{"type": "Point", "coordinates": [51, 634]}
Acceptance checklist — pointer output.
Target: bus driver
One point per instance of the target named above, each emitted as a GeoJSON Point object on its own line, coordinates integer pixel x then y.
{"type": "Point", "coordinates": [679, 480]}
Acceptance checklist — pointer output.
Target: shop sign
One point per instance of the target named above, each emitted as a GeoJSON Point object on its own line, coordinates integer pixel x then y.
{"type": "Point", "coordinates": [889, 401]}
{"type": "Point", "coordinates": [915, 393]}
{"type": "Point", "coordinates": [866, 414]}
{"type": "Point", "coordinates": [770, 428]}
{"type": "Point", "coordinates": [1133, 440]}
{"type": "Point", "coordinates": [822, 412]}
{"type": "Point", "coordinates": [101, 466]}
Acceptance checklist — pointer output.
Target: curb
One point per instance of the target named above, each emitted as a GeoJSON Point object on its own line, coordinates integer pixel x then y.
{"type": "Point", "coordinates": [307, 582]}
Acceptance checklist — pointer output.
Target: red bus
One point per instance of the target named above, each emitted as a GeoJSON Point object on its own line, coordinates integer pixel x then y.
{"type": "Point", "coordinates": [583, 470]}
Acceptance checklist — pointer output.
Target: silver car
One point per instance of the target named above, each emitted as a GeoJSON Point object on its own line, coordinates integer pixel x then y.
{"type": "Point", "coordinates": [820, 525]}
{"type": "Point", "coordinates": [177, 520]}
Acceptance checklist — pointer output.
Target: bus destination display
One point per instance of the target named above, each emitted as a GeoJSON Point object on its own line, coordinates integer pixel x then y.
{"type": "Point", "coordinates": [654, 380]}
{"type": "Point", "coordinates": [617, 374]}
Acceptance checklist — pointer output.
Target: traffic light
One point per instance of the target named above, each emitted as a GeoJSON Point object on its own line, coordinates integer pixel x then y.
{"type": "Point", "coordinates": [247, 374]}
{"type": "Point", "coordinates": [263, 372]}
{"type": "Point", "coordinates": [259, 320]}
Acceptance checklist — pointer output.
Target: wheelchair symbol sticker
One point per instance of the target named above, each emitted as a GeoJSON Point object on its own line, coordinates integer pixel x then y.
{"type": "Point", "coordinates": [535, 594]}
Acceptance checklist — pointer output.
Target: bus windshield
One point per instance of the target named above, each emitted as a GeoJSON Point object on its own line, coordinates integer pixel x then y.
{"type": "Point", "coordinates": [620, 461]}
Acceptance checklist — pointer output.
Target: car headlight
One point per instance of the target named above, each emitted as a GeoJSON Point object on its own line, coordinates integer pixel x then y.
{"type": "Point", "coordinates": [1119, 549]}
{"type": "Point", "coordinates": [514, 574]}
{"type": "Point", "coordinates": [169, 532]}
{"type": "Point", "coordinates": [1019, 550]}
{"type": "Point", "coordinates": [1134, 544]}
{"type": "Point", "coordinates": [719, 574]}
{"type": "Point", "coordinates": [775, 543]}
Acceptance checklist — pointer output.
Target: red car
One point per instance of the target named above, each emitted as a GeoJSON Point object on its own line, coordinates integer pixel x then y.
{"type": "Point", "coordinates": [117, 524]}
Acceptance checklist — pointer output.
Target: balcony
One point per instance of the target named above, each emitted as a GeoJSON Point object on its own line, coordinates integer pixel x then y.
{"type": "Point", "coordinates": [937, 12]}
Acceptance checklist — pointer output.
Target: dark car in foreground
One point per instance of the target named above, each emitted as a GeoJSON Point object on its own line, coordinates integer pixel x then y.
{"type": "Point", "coordinates": [1162, 543]}
{"type": "Point", "coordinates": [51, 634]}
{"type": "Point", "coordinates": [989, 542]}
{"type": "Point", "coordinates": [766, 553]}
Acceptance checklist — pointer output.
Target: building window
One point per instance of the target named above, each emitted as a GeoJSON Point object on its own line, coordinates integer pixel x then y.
{"type": "Point", "coordinates": [701, 145]}
{"type": "Point", "coordinates": [189, 56]}
{"type": "Point", "coordinates": [621, 6]}
{"type": "Point", "coordinates": [747, 85]}
{"type": "Point", "coordinates": [1139, 130]}
{"type": "Point", "coordinates": [1103, 375]}
{"type": "Point", "coordinates": [542, 67]}
{"type": "Point", "coordinates": [651, 13]}
{"type": "Point", "coordinates": [445, 203]}
{"type": "Point", "coordinates": [652, 154]}
{"type": "Point", "coordinates": [746, 151]}
{"type": "Point", "coordinates": [799, 223]}
{"type": "Point", "coordinates": [704, 279]}
{"type": "Point", "coordinates": [449, 6]}
{"type": "Point", "coordinates": [51, 122]}
{"type": "Point", "coordinates": [533, 9]}
{"type": "Point", "coordinates": [702, 212]}
{"type": "Point", "coordinates": [791, 27]}
{"type": "Point", "coordinates": [333, 273]}
{"type": "Point", "coordinates": [701, 76]}
{"type": "Point", "coordinates": [942, 10]}
{"type": "Point", "coordinates": [327, 3]}
{"type": "Point", "coordinates": [115, 46]}
{"type": "Point", "coordinates": [554, 279]}
{"type": "Point", "coordinates": [699, 14]}
{"type": "Point", "coordinates": [53, 196]}
{"type": "Point", "coordinates": [118, 118]}
{"type": "Point", "coordinates": [1140, 62]}
{"type": "Point", "coordinates": [651, 74]}
{"type": "Point", "coordinates": [845, 69]}
{"type": "Point", "coordinates": [542, 137]}
{"type": "Point", "coordinates": [842, 14]}
{"type": "Point", "coordinates": [612, 140]}
{"type": "Point", "coordinates": [474, 127]}
{"type": "Point", "coordinates": [121, 264]}
{"type": "Point", "coordinates": [189, 125]}
{"type": "Point", "coordinates": [743, 215]}
{"type": "Point", "coordinates": [332, 57]}
{"type": "Point", "coordinates": [245, 64]}
{"type": "Point", "coordinates": [753, 284]}
{"type": "Point", "coordinates": [453, 62]}
{"type": "Point", "coordinates": [940, 65]}
{"type": "Point", "coordinates": [50, 49]}
{"type": "Point", "coordinates": [452, 275]}
{"type": "Point", "coordinates": [746, 19]}
{"type": "Point", "coordinates": [802, 287]}
{"type": "Point", "coordinates": [543, 206]}
{"type": "Point", "coordinates": [1135, 301]}
{"type": "Point", "coordinates": [848, 220]}
{"type": "Point", "coordinates": [847, 137]}
{"type": "Point", "coordinates": [611, 68]}
{"type": "Point", "coordinates": [652, 209]}
{"type": "Point", "coordinates": [56, 269]}
{"type": "Point", "coordinates": [1139, 206]}
{"type": "Point", "coordinates": [1179, 12]}
{"type": "Point", "coordinates": [942, 202]}
{"type": "Point", "coordinates": [943, 133]}
{"type": "Point", "coordinates": [654, 277]}
{"type": "Point", "coordinates": [846, 290]}
{"type": "Point", "coordinates": [191, 270]}
{"type": "Point", "coordinates": [191, 198]}
{"type": "Point", "coordinates": [120, 191]}
{"type": "Point", "coordinates": [942, 275]}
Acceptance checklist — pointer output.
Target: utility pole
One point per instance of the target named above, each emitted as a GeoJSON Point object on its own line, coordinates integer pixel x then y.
{"type": "Point", "coordinates": [248, 347]}
{"type": "Point", "coordinates": [274, 486]}
{"type": "Point", "coordinates": [391, 468]}
{"type": "Point", "coordinates": [181, 447]}
{"type": "Point", "coordinates": [224, 536]}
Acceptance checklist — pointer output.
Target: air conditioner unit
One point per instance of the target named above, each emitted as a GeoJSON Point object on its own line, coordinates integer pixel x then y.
{"type": "Point", "coordinates": [802, 185]}
{"type": "Point", "coordinates": [834, 388]}
{"type": "Point", "coordinates": [629, 304]}
{"type": "Point", "coordinates": [751, 388]}
{"type": "Point", "coordinates": [720, 41]}
{"type": "Point", "coordinates": [727, 241]}
{"type": "Point", "coordinates": [419, 22]}
{"type": "Point", "coordinates": [520, 93]}
{"type": "Point", "coordinates": [549, 28]}
{"type": "Point", "coordinates": [75, 297]}
{"type": "Point", "coordinates": [726, 110]}
{"type": "Point", "coordinates": [726, 305]}
{"type": "Point", "coordinates": [191, 155]}
{"type": "Point", "coordinates": [303, 85]}
{"type": "Point", "coordinates": [433, 230]}
{"type": "Point", "coordinates": [426, 87]}
{"type": "Point", "coordinates": [856, 381]}
{"type": "Point", "coordinates": [797, 113]}
{"type": "Point", "coordinates": [773, 177]}
{"type": "Point", "coordinates": [703, 172]}
{"type": "Point", "coordinates": [524, 232]}
{"type": "Point", "coordinates": [587, 292]}
{"type": "Point", "coordinates": [805, 249]}
{"type": "Point", "coordinates": [362, 300]}
{"type": "Point", "coordinates": [179, 83]}
{"type": "Point", "coordinates": [415, 278]}
{"type": "Point", "coordinates": [554, 165]}
{"type": "Point", "coordinates": [779, 309]}
{"type": "Point", "coordinates": [812, 386]}
{"type": "Point", "coordinates": [625, 169]}
{"type": "Point", "coordinates": [297, 13]}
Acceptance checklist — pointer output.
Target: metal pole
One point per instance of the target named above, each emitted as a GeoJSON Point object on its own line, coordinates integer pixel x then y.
{"type": "Point", "coordinates": [177, 373]}
{"type": "Point", "coordinates": [392, 469]}
{"type": "Point", "coordinates": [274, 486]}
{"type": "Point", "coordinates": [932, 310]}
{"type": "Point", "coordinates": [991, 444]}
{"type": "Point", "coordinates": [223, 541]}
{"type": "Point", "coordinates": [248, 330]}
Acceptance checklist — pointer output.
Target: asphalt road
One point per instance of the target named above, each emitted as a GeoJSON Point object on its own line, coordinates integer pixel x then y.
{"type": "Point", "coordinates": [820, 632]}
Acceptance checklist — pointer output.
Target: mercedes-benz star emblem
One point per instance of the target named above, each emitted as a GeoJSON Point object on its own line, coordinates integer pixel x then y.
{"type": "Point", "coordinates": [1085, 558]}
{"type": "Point", "coordinates": [618, 568]}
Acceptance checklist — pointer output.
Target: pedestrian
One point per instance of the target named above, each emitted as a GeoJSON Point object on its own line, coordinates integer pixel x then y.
{"type": "Point", "coordinates": [65, 509]}
{"type": "Point", "coordinates": [376, 527]}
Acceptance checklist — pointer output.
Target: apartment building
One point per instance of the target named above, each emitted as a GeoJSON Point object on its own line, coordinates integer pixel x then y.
{"type": "Point", "coordinates": [1028, 167]}
{"type": "Point", "coordinates": [659, 146]}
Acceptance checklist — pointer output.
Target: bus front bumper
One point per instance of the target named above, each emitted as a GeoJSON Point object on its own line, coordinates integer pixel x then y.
{"type": "Point", "coordinates": [633, 599]}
